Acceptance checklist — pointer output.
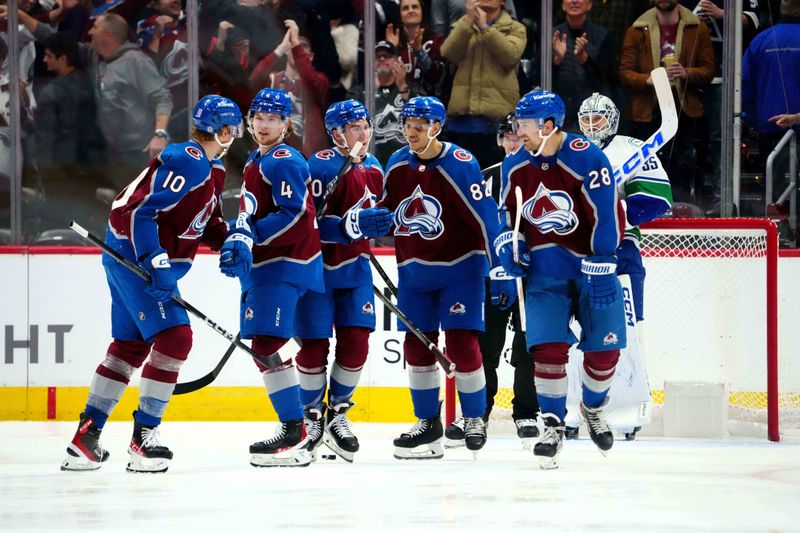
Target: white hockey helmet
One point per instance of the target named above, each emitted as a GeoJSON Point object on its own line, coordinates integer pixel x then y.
{"type": "Point", "coordinates": [594, 129]}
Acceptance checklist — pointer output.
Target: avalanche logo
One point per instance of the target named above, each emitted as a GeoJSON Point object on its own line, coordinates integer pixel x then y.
{"type": "Point", "coordinates": [368, 309]}
{"type": "Point", "coordinates": [141, 316]}
{"type": "Point", "coordinates": [248, 313]}
{"type": "Point", "coordinates": [550, 211]}
{"type": "Point", "coordinates": [419, 213]}
{"type": "Point", "coordinates": [458, 309]}
{"type": "Point", "coordinates": [609, 339]}
{"type": "Point", "coordinates": [198, 225]}
{"type": "Point", "coordinates": [367, 200]}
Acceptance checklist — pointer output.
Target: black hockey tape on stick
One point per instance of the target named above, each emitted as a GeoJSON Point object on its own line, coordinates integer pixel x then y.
{"type": "Point", "coordinates": [383, 274]}
{"type": "Point", "coordinates": [199, 383]}
{"type": "Point", "coordinates": [270, 362]}
{"type": "Point", "coordinates": [335, 181]}
{"type": "Point", "coordinates": [448, 365]}
{"type": "Point", "coordinates": [518, 282]}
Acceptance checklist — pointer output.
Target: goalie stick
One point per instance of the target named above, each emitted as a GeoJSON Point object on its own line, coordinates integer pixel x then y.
{"type": "Point", "coordinates": [270, 362]}
{"type": "Point", "coordinates": [669, 126]}
{"type": "Point", "coordinates": [515, 244]}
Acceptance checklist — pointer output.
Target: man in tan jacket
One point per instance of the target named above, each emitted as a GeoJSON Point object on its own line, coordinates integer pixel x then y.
{"type": "Point", "coordinates": [486, 44]}
{"type": "Point", "coordinates": [669, 35]}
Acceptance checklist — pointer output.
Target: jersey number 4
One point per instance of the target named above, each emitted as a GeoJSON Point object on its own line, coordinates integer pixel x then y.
{"type": "Point", "coordinates": [286, 190]}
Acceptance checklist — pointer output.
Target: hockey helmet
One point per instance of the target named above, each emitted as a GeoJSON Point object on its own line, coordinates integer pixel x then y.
{"type": "Point", "coordinates": [273, 101]}
{"type": "Point", "coordinates": [505, 125]}
{"type": "Point", "coordinates": [340, 114]}
{"type": "Point", "coordinates": [212, 112]}
{"type": "Point", "coordinates": [541, 105]}
{"type": "Point", "coordinates": [425, 107]}
{"type": "Point", "coordinates": [593, 129]}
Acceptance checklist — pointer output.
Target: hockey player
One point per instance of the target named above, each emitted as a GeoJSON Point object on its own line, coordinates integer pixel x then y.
{"type": "Point", "coordinates": [277, 220]}
{"type": "Point", "coordinates": [500, 306]}
{"type": "Point", "coordinates": [158, 220]}
{"type": "Point", "coordinates": [647, 195]}
{"type": "Point", "coordinates": [347, 219]}
{"type": "Point", "coordinates": [573, 225]}
{"type": "Point", "coordinates": [444, 217]}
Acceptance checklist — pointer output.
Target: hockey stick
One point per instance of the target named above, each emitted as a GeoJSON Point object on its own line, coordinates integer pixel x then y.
{"type": "Point", "coordinates": [448, 365]}
{"type": "Point", "coordinates": [270, 362]}
{"type": "Point", "coordinates": [335, 181]}
{"type": "Point", "coordinates": [383, 274]}
{"type": "Point", "coordinates": [669, 126]}
{"type": "Point", "coordinates": [199, 383]}
{"type": "Point", "coordinates": [515, 244]}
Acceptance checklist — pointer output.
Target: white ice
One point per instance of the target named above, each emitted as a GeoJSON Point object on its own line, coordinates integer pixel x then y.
{"type": "Point", "coordinates": [652, 484]}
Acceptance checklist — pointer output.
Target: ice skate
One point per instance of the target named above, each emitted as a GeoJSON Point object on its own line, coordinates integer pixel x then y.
{"type": "Point", "coordinates": [454, 434]}
{"type": "Point", "coordinates": [84, 451]}
{"type": "Point", "coordinates": [338, 435]}
{"type": "Point", "coordinates": [571, 433]}
{"type": "Point", "coordinates": [314, 423]}
{"type": "Point", "coordinates": [527, 430]}
{"type": "Point", "coordinates": [599, 430]}
{"type": "Point", "coordinates": [422, 441]}
{"type": "Point", "coordinates": [550, 443]}
{"type": "Point", "coordinates": [286, 448]}
{"type": "Point", "coordinates": [475, 435]}
{"type": "Point", "coordinates": [146, 453]}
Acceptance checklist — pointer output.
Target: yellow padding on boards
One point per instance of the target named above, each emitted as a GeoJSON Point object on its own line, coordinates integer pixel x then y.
{"type": "Point", "coordinates": [373, 404]}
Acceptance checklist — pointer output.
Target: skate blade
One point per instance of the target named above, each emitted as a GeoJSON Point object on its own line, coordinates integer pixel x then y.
{"type": "Point", "coordinates": [293, 459]}
{"type": "Point", "coordinates": [344, 454]}
{"type": "Point", "coordinates": [143, 465]}
{"type": "Point", "coordinates": [454, 443]}
{"type": "Point", "coordinates": [425, 451]}
{"type": "Point", "coordinates": [527, 443]}
{"type": "Point", "coordinates": [79, 464]}
{"type": "Point", "coordinates": [547, 463]}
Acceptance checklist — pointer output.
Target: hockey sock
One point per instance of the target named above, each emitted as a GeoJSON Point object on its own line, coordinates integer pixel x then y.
{"type": "Point", "coordinates": [596, 375]}
{"type": "Point", "coordinates": [284, 392]}
{"type": "Point", "coordinates": [550, 377]}
{"type": "Point", "coordinates": [471, 388]}
{"type": "Point", "coordinates": [343, 383]}
{"type": "Point", "coordinates": [311, 360]}
{"type": "Point", "coordinates": [112, 376]}
{"type": "Point", "coordinates": [170, 350]}
{"type": "Point", "coordinates": [424, 384]}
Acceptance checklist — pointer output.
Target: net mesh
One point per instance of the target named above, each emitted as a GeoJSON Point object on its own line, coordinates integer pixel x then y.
{"type": "Point", "coordinates": [705, 321]}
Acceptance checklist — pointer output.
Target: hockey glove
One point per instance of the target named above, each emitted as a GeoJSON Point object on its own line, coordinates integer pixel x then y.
{"type": "Point", "coordinates": [236, 256]}
{"type": "Point", "coordinates": [504, 247]}
{"type": "Point", "coordinates": [162, 283]}
{"type": "Point", "coordinates": [366, 223]}
{"type": "Point", "coordinates": [502, 288]}
{"type": "Point", "coordinates": [600, 281]}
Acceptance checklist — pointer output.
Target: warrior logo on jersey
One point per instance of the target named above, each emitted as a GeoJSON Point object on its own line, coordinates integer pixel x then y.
{"type": "Point", "coordinates": [458, 309]}
{"type": "Point", "coordinates": [198, 225]}
{"type": "Point", "coordinates": [419, 213]}
{"type": "Point", "coordinates": [550, 211]}
{"type": "Point", "coordinates": [368, 309]}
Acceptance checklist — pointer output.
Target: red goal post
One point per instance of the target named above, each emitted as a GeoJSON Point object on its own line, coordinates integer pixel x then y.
{"type": "Point", "coordinates": [711, 314]}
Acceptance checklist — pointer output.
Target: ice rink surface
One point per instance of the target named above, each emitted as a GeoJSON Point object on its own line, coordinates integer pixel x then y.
{"type": "Point", "coordinates": [652, 484]}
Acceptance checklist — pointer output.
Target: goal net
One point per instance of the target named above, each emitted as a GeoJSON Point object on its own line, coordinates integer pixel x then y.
{"type": "Point", "coordinates": [711, 316]}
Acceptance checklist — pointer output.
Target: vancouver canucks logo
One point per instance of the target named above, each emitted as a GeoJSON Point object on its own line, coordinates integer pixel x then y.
{"type": "Point", "coordinates": [550, 211]}
{"type": "Point", "coordinates": [198, 225]}
{"type": "Point", "coordinates": [419, 213]}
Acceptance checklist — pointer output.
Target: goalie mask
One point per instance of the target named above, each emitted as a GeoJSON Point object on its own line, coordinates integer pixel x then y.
{"type": "Point", "coordinates": [212, 113]}
{"type": "Point", "coordinates": [598, 118]}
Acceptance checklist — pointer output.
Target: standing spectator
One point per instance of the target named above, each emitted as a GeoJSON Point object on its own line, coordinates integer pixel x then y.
{"type": "Point", "coordinates": [444, 13]}
{"type": "Point", "coordinates": [392, 91]}
{"type": "Point", "coordinates": [671, 35]}
{"type": "Point", "coordinates": [162, 36]}
{"type": "Point", "coordinates": [486, 44]}
{"type": "Point", "coordinates": [579, 67]}
{"type": "Point", "coordinates": [133, 102]}
{"type": "Point", "coordinates": [308, 87]}
{"type": "Point", "coordinates": [419, 47]}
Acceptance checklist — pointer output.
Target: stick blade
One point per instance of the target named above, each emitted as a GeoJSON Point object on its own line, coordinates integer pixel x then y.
{"type": "Point", "coordinates": [77, 228]}
{"type": "Point", "coordinates": [666, 102]}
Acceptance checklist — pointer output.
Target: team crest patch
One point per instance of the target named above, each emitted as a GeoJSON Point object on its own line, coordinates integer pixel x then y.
{"type": "Point", "coordinates": [551, 211]}
{"type": "Point", "coordinates": [419, 213]}
{"type": "Point", "coordinates": [194, 152]}
{"type": "Point", "coordinates": [248, 313]}
{"type": "Point", "coordinates": [141, 316]}
{"type": "Point", "coordinates": [462, 155]}
{"type": "Point", "coordinates": [610, 339]}
{"type": "Point", "coordinates": [198, 225]}
{"type": "Point", "coordinates": [281, 154]}
{"type": "Point", "coordinates": [368, 309]}
{"type": "Point", "coordinates": [579, 144]}
{"type": "Point", "coordinates": [325, 154]}
{"type": "Point", "coordinates": [458, 309]}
